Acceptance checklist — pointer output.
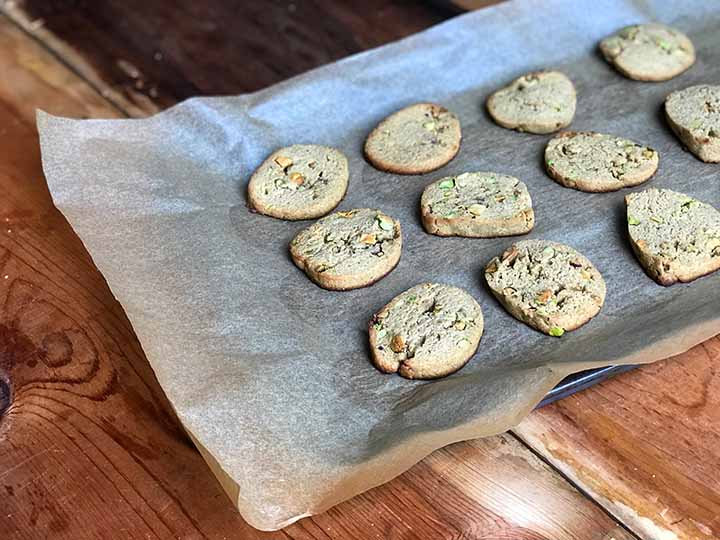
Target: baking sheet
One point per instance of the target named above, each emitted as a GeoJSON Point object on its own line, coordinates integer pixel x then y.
{"type": "Point", "coordinates": [269, 373]}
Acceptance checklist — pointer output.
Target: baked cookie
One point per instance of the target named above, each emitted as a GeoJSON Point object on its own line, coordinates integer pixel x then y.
{"type": "Point", "coordinates": [675, 237]}
{"type": "Point", "coordinates": [414, 140]}
{"type": "Point", "coordinates": [348, 250]}
{"type": "Point", "coordinates": [429, 331]}
{"type": "Point", "coordinates": [694, 116]}
{"type": "Point", "coordinates": [597, 162]}
{"type": "Point", "coordinates": [539, 102]}
{"type": "Point", "coordinates": [649, 52]}
{"type": "Point", "coordinates": [477, 204]}
{"type": "Point", "coordinates": [303, 181]}
{"type": "Point", "coordinates": [547, 285]}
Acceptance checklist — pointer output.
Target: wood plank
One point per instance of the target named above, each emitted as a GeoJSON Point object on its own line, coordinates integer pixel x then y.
{"type": "Point", "coordinates": [646, 444]}
{"type": "Point", "coordinates": [89, 447]}
{"type": "Point", "coordinates": [148, 55]}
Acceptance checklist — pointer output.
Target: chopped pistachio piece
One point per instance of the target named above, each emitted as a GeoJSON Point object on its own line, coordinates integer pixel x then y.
{"type": "Point", "coordinates": [384, 223]}
{"type": "Point", "coordinates": [447, 184]}
{"type": "Point", "coordinates": [556, 331]}
{"type": "Point", "coordinates": [633, 221]}
{"type": "Point", "coordinates": [476, 209]}
{"type": "Point", "coordinates": [656, 219]}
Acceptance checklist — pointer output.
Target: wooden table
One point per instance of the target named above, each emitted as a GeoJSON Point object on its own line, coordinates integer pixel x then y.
{"type": "Point", "coordinates": [89, 447]}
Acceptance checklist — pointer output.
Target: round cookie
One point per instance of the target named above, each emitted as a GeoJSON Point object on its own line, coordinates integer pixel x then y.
{"type": "Point", "coordinates": [538, 102]}
{"type": "Point", "coordinates": [649, 52]}
{"type": "Point", "coordinates": [414, 140]}
{"type": "Point", "coordinates": [429, 331]}
{"type": "Point", "coordinates": [547, 285]}
{"type": "Point", "coordinates": [303, 181]}
{"type": "Point", "coordinates": [675, 237]}
{"type": "Point", "coordinates": [596, 162]}
{"type": "Point", "coordinates": [694, 116]}
{"type": "Point", "coordinates": [477, 205]}
{"type": "Point", "coordinates": [348, 250]}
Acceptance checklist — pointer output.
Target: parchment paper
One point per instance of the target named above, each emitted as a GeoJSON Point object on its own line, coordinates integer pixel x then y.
{"type": "Point", "coordinates": [269, 373]}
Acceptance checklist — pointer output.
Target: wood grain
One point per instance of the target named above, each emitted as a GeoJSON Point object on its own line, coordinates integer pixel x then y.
{"type": "Point", "coordinates": [645, 444]}
{"type": "Point", "coordinates": [89, 447]}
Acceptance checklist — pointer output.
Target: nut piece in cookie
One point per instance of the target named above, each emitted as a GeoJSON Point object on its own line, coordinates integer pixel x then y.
{"type": "Point", "coordinates": [429, 331]}
{"type": "Point", "coordinates": [596, 162]}
{"type": "Point", "coordinates": [539, 102]}
{"type": "Point", "coordinates": [414, 140]}
{"type": "Point", "coordinates": [547, 285]}
{"type": "Point", "coordinates": [649, 52]}
{"type": "Point", "coordinates": [303, 181]}
{"type": "Point", "coordinates": [694, 116]}
{"type": "Point", "coordinates": [675, 237]}
{"type": "Point", "coordinates": [478, 205]}
{"type": "Point", "coordinates": [349, 249]}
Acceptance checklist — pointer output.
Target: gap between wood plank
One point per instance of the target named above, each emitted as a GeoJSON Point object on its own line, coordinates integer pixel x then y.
{"type": "Point", "coordinates": [68, 64]}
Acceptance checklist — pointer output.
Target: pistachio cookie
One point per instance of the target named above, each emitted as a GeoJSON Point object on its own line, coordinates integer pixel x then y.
{"type": "Point", "coordinates": [477, 204]}
{"type": "Point", "coordinates": [539, 102]}
{"type": "Point", "coordinates": [694, 116]}
{"type": "Point", "coordinates": [303, 181]}
{"type": "Point", "coordinates": [596, 162]}
{"type": "Point", "coordinates": [348, 250]}
{"type": "Point", "coordinates": [675, 237]}
{"type": "Point", "coordinates": [649, 52]}
{"type": "Point", "coordinates": [429, 331]}
{"type": "Point", "coordinates": [547, 285]}
{"type": "Point", "coordinates": [414, 140]}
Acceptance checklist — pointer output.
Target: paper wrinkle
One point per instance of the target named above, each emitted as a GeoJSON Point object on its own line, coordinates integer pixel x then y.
{"type": "Point", "coordinates": [269, 373]}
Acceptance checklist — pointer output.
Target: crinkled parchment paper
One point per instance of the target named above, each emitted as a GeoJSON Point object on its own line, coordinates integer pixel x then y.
{"type": "Point", "coordinates": [269, 373]}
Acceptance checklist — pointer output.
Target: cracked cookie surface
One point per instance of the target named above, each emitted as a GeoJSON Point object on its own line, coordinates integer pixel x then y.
{"type": "Point", "coordinates": [547, 285]}
{"type": "Point", "coordinates": [649, 52]}
{"type": "Point", "coordinates": [596, 162]}
{"type": "Point", "coordinates": [538, 102]}
{"type": "Point", "coordinates": [303, 181]}
{"type": "Point", "coordinates": [694, 116]}
{"type": "Point", "coordinates": [349, 249]}
{"type": "Point", "coordinates": [675, 237]}
{"type": "Point", "coordinates": [414, 140]}
{"type": "Point", "coordinates": [477, 204]}
{"type": "Point", "coordinates": [429, 331]}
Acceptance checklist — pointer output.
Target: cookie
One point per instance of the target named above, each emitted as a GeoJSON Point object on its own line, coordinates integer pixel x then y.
{"type": "Point", "coordinates": [675, 237]}
{"type": "Point", "coordinates": [694, 116]}
{"type": "Point", "coordinates": [547, 285]}
{"type": "Point", "coordinates": [649, 52]}
{"type": "Point", "coordinates": [539, 102]}
{"type": "Point", "coordinates": [429, 331]}
{"type": "Point", "coordinates": [478, 205]}
{"type": "Point", "coordinates": [348, 250]}
{"type": "Point", "coordinates": [414, 140]}
{"type": "Point", "coordinates": [303, 181]}
{"type": "Point", "coordinates": [596, 162]}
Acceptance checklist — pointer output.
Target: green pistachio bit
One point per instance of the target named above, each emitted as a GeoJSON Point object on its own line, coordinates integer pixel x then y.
{"type": "Point", "coordinates": [377, 325]}
{"type": "Point", "coordinates": [633, 221]}
{"type": "Point", "coordinates": [557, 331]}
{"type": "Point", "coordinates": [548, 252]}
{"type": "Point", "coordinates": [430, 126]}
{"type": "Point", "coordinates": [450, 215]}
{"type": "Point", "coordinates": [656, 219]}
{"type": "Point", "coordinates": [384, 223]}
{"type": "Point", "coordinates": [447, 184]}
{"type": "Point", "coordinates": [550, 162]}
{"type": "Point", "coordinates": [412, 298]}
{"type": "Point", "coordinates": [663, 44]}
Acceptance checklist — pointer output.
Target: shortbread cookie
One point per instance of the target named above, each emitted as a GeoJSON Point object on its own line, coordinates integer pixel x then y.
{"type": "Point", "coordinates": [675, 237]}
{"type": "Point", "coordinates": [597, 162]}
{"type": "Point", "coordinates": [649, 52]}
{"type": "Point", "coordinates": [303, 181]}
{"type": "Point", "coordinates": [477, 204]}
{"type": "Point", "coordinates": [547, 285]}
{"type": "Point", "coordinates": [539, 102]}
{"type": "Point", "coordinates": [429, 331]}
{"type": "Point", "coordinates": [348, 250]}
{"type": "Point", "coordinates": [415, 140]}
{"type": "Point", "coordinates": [694, 116]}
